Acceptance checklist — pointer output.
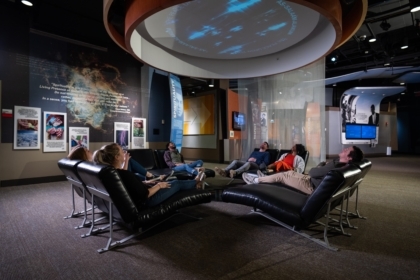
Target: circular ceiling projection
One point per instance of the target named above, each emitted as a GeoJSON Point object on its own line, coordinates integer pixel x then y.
{"type": "Point", "coordinates": [226, 39]}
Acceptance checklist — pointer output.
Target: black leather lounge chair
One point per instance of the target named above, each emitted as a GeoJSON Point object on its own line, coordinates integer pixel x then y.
{"type": "Point", "coordinates": [109, 193]}
{"type": "Point", "coordinates": [297, 211]}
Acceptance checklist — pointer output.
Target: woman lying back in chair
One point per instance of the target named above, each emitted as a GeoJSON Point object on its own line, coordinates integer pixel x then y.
{"type": "Point", "coordinates": [290, 161]}
{"type": "Point", "coordinates": [139, 191]}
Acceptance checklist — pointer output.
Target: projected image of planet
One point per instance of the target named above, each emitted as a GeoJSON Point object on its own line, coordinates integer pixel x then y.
{"type": "Point", "coordinates": [231, 28]}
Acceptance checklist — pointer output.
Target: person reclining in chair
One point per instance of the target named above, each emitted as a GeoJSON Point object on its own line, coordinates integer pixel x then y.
{"type": "Point", "coordinates": [290, 161]}
{"type": "Point", "coordinates": [82, 153]}
{"type": "Point", "coordinates": [307, 183]}
{"type": "Point", "coordinates": [142, 193]}
{"type": "Point", "coordinates": [175, 161]}
{"type": "Point", "coordinates": [254, 161]}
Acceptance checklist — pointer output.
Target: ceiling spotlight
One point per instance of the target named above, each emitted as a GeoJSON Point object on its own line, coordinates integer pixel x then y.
{"type": "Point", "coordinates": [414, 5]}
{"type": "Point", "coordinates": [403, 92]}
{"type": "Point", "coordinates": [334, 85]}
{"type": "Point", "coordinates": [334, 58]}
{"type": "Point", "coordinates": [211, 84]}
{"type": "Point", "coordinates": [387, 61]}
{"type": "Point", "coordinates": [405, 43]}
{"type": "Point", "coordinates": [385, 25]}
{"type": "Point", "coordinates": [27, 3]}
{"type": "Point", "coordinates": [402, 84]}
{"type": "Point", "coordinates": [372, 39]}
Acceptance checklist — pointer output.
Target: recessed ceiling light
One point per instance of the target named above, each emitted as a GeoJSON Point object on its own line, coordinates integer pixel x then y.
{"type": "Point", "coordinates": [403, 92]}
{"type": "Point", "coordinates": [279, 92]}
{"type": "Point", "coordinates": [402, 84]}
{"type": "Point", "coordinates": [27, 3]}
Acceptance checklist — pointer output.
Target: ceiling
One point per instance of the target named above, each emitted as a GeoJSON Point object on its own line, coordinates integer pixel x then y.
{"type": "Point", "coordinates": [390, 21]}
{"type": "Point", "coordinates": [82, 20]}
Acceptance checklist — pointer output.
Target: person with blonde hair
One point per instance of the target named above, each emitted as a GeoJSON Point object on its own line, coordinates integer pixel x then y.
{"type": "Point", "coordinates": [142, 193]}
{"type": "Point", "coordinates": [80, 153]}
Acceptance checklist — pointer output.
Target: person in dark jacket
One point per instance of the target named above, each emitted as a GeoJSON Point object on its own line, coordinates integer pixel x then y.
{"type": "Point", "coordinates": [307, 183]}
{"type": "Point", "coordinates": [254, 161]}
{"type": "Point", "coordinates": [175, 161]}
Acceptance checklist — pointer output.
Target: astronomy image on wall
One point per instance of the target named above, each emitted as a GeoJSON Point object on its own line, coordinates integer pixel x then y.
{"type": "Point", "coordinates": [26, 128]}
{"type": "Point", "coordinates": [84, 83]}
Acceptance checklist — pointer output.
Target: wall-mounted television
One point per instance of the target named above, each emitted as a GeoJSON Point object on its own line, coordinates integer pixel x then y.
{"type": "Point", "coordinates": [238, 121]}
{"type": "Point", "coordinates": [357, 131]}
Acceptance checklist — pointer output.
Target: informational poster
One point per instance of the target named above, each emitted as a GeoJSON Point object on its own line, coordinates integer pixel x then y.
{"type": "Point", "coordinates": [122, 134]}
{"type": "Point", "coordinates": [26, 128]}
{"type": "Point", "coordinates": [55, 132]}
{"type": "Point", "coordinates": [138, 137]}
{"type": "Point", "coordinates": [78, 136]}
{"type": "Point", "coordinates": [177, 111]}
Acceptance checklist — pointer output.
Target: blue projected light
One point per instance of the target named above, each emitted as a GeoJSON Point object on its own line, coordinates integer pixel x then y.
{"type": "Point", "coordinates": [231, 29]}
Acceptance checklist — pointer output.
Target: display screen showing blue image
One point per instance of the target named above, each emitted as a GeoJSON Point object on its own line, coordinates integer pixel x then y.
{"type": "Point", "coordinates": [360, 131]}
{"type": "Point", "coordinates": [238, 121]}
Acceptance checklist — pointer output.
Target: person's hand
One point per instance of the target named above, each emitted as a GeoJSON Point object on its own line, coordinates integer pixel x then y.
{"type": "Point", "coordinates": [148, 174]}
{"type": "Point", "coordinates": [162, 177]}
{"type": "Point", "coordinates": [126, 159]}
{"type": "Point", "coordinates": [51, 130]}
{"type": "Point", "coordinates": [252, 159]}
{"type": "Point", "coordinates": [163, 185]}
{"type": "Point", "coordinates": [178, 164]}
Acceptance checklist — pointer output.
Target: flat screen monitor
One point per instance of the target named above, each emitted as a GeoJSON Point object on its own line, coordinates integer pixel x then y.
{"type": "Point", "coordinates": [355, 131]}
{"type": "Point", "coordinates": [238, 121]}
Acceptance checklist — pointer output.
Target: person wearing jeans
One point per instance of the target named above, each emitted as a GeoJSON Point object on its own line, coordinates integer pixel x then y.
{"type": "Point", "coordinates": [175, 161]}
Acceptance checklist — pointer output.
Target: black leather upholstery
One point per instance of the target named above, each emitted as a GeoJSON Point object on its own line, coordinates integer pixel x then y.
{"type": "Point", "coordinates": [69, 169]}
{"type": "Point", "coordinates": [145, 157]}
{"type": "Point", "coordinates": [289, 206]}
{"type": "Point", "coordinates": [106, 179]}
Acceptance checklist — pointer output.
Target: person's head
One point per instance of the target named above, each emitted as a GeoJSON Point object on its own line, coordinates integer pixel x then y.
{"type": "Point", "coordinates": [171, 146]}
{"type": "Point", "coordinates": [80, 153]}
{"type": "Point", "coordinates": [264, 146]}
{"type": "Point", "coordinates": [111, 154]}
{"type": "Point", "coordinates": [351, 154]}
{"type": "Point", "coordinates": [372, 109]}
{"type": "Point", "coordinates": [178, 105]}
{"type": "Point", "coordinates": [298, 149]}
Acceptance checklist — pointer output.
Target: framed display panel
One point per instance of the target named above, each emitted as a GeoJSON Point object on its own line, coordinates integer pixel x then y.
{"type": "Point", "coordinates": [122, 134]}
{"type": "Point", "coordinates": [78, 136]}
{"type": "Point", "coordinates": [26, 128]}
{"type": "Point", "coordinates": [138, 136]}
{"type": "Point", "coordinates": [55, 135]}
{"type": "Point", "coordinates": [199, 115]}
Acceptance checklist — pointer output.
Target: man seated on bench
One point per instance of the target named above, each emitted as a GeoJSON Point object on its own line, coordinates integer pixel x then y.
{"type": "Point", "coordinates": [307, 183]}
{"type": "Point", "coordinates": [175, 161]}
{"type": "Point", "coordinates": [254, 161]}
{"type": "Point", "coordinates": [143, 194]}
{"type": "Point", "coordinates": [289, 161]}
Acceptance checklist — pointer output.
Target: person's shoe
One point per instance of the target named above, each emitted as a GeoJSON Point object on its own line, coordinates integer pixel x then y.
{"type": "Point", "coordinates": [260, 174]}
{"type": "Point", "coordinates": [232, 174]}
{"type": "Point", "coordinates": [200, 169]}
{"type": "Point", "coordinates": [200, 176]}
{"type": "Point", "coordinates": [221, 172]}
{"type": "Point", "coordinates": [249, 179]}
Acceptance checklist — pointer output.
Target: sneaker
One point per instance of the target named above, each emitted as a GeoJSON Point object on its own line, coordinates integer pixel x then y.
{"type": "Point", "coordinates": [200, 169]}
{"type": "Point", "coordinates": [249, 179]}
{"type": "Point", "coordinates": [200, 176]}
{"type": "Point", "coordinates": [260, 174]}
{"type": "Point", "coordinates": [232, 174]}
{"type": "Point", "coordinates": [219, 171]}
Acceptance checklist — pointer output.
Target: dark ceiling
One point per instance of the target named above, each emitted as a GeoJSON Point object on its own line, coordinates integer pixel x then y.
{"type": "Point", "coordinates": [390, 21]}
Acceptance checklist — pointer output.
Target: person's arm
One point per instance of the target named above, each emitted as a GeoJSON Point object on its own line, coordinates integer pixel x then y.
{"type": "Point", "coordinates": [157, 187]}
{"type": "Point", "coordinates": [299, 164]}
{"type": "Point", "coordinates": [282, 157]}
{"type": "Point", "coordinates": [126, 159]}
{"type": "Point", "coordinates": [321, 170]}
{"type": "Point", "coordinates": [168, 159]}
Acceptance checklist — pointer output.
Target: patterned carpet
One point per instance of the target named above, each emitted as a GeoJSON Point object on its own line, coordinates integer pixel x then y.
{"type": "Point", "coordinates": [37, 243]}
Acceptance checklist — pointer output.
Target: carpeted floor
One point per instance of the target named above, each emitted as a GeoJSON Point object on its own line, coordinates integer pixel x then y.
{"type": "Point", "coordinates": [37, 243]}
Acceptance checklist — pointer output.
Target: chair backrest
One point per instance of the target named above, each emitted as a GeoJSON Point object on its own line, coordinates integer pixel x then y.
{"type": "Point", "coordinates": [274, 154]}
{"type": "Point", "coordinates": [160, 160]}
{"type": "Point", "coordinates": [145, 157]}
{"type": "Point", "coordinates": [364, 165]}
{"type": "Point", "coordinates": [105, 179]}
{"type": "Point", "coordinates": [334, 182]}
{"type": "Point", "coordinates": [69, 169]}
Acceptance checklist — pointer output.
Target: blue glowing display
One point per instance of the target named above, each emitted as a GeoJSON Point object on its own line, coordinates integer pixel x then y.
{"type": "Point", "coordinates": [228, 28]}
